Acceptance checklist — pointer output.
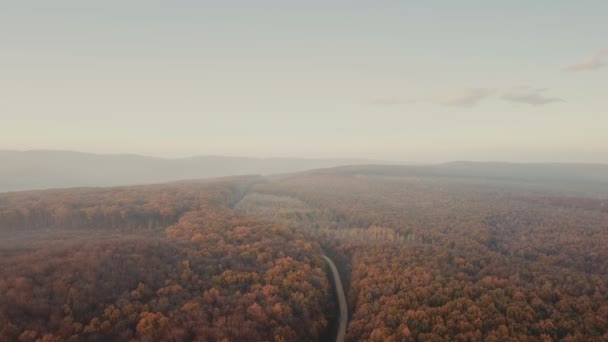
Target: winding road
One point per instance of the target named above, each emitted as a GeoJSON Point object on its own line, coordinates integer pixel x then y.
{"type": "Point", "coordinates": [341, 300]}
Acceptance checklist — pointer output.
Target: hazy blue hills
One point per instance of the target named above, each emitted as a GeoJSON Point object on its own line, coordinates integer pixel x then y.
{"type": "Point", "coordinates": [58, 169]}
{"type": "Point", "coordinates": [587, 178]}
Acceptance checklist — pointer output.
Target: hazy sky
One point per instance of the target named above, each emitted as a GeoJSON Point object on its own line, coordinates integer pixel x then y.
{"type": "Point", "coordinates": [400, 80]}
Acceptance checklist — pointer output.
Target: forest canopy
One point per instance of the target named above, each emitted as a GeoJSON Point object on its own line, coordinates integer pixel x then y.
{"type": "Point", "coordinates": [422, 257]}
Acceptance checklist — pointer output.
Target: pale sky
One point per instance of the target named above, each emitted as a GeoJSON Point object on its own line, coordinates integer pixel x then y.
{"type": "Point", "coordinates": [402, 80]}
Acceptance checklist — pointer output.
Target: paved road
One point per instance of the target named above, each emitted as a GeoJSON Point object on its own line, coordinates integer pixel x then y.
{"type": "Point", "coordinates": [341, 300]}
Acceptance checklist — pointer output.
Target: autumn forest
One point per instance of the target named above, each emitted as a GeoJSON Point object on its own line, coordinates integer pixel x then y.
{"type": "Point", "coordinates": [422, 256]}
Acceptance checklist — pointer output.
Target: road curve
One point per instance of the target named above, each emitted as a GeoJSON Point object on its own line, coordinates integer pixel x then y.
{"type": "Point", "coordinates": [341, 300]}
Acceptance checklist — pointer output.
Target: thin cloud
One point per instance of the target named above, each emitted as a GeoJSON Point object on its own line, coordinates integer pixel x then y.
{"type": "Point", "coordinates": [594, 62]}
{"type": "Point", "coordinates": [465, 98]}
{"type": "Point", "coordinates": [528, 95]}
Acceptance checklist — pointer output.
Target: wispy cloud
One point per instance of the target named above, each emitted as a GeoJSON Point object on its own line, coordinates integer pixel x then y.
{"type": "Point", "coordinates": [389, 101]}
{"type": "Point", "coordinates": [528, 95]}
{"type": "Point", "coordinates": [598, 60]}
{"type": "Point", "coordinates": [465, 98]}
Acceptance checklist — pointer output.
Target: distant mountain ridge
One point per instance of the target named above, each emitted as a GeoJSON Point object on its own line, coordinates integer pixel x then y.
{"type": "Point", "coordinates": [588, 178]}
{"type": "Point", "coordinates": [43, 169]}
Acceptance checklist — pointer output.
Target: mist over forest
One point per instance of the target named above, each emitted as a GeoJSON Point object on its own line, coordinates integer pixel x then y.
{"type": "Point", "coordinates": [315, 171]}
{"type": "Point", "coordinates": [465, 251]}
{"type": "Point", "coordinates": [27, 170]}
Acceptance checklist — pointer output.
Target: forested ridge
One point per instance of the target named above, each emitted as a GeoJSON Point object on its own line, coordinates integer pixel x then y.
{"type": "Point", "coordinates": [441, 259]}
{"type": "Point", "coordinates": [186, 268]}
{"type": "Point", "coordinates": [234, 259]}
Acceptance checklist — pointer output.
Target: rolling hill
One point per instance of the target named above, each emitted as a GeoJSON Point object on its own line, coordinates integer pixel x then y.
{"type": "Point", "coordinates": [29, 170]}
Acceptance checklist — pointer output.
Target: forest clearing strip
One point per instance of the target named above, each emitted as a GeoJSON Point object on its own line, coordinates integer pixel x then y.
{"type": "Point", "coordinates": [341, 300]}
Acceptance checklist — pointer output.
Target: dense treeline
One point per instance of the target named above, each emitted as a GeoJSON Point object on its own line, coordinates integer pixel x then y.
{"type": "Point", "coordinates": [456, 260]}
{"type": "Point", "coordinates": [421, 258]}
{"type": "Point", "coordinates": [120, 208]}
{"type": "Point", "coordinates": [210, 276]}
